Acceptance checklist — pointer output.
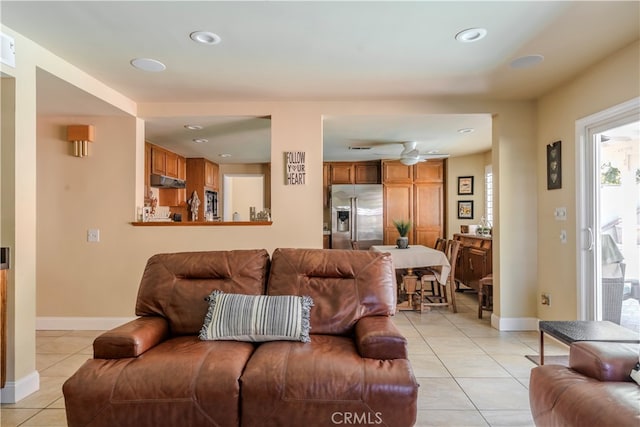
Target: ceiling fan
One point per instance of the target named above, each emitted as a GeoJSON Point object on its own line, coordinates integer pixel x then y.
{"type": "Point", "coordinates": [410, 154]}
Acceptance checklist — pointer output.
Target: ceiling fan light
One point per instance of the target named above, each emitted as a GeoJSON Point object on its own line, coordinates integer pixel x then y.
{"type": "Point", "coordinates": [409, 161]}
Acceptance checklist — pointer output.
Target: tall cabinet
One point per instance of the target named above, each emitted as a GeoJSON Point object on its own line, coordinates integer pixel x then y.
{"type": "Point", "coordinates": [415, 193]}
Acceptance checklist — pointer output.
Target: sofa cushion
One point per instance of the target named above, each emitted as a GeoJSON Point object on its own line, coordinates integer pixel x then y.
{"type": "Point", "coordinates": [175, 285]}
{"type": "Point", "coordinates": [560, 396]}
{"type": "Point", "coordinates": [181, 381]}
{"type": "Point", "coordinates": [257, 318]}
{"type": "Point", "coordinates": [345, 285]}
{"type": "Point", "coordinates": [319, 383]}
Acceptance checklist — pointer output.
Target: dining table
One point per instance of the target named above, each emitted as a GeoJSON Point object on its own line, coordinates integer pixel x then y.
{"type": "Point", "coordinates": [417, 256]}
{"type": "Point", "coordinates": [414, 256]}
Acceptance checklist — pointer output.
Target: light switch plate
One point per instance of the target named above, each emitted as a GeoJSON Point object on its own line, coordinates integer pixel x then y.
{"type": "Point", "coordinates": [560, 214]}
{"type": "Point", "coordinates": [93, 235]}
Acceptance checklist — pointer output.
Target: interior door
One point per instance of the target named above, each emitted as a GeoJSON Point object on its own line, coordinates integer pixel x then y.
{"type": "Point", "coordinates": [609, 204]}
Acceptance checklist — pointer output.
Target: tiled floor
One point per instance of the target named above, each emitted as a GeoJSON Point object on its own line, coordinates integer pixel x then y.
{"type": "Point", "coordinates": [469, 373]}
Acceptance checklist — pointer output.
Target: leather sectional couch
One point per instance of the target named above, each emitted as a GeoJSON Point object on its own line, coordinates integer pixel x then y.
{"type": "Point", "coordinates": [156, 371]}
{"type": "Point", "coordinates": [595, 390]}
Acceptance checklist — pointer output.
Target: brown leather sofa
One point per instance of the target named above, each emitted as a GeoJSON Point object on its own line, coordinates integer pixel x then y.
{"type": "Point", "coordinates": [155, 371]}
{"type": "Point", "coordinates": [595, 390]}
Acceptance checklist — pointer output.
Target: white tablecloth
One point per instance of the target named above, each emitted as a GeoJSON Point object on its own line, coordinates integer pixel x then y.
{"type": "Point", "coordinates": [416, 256]}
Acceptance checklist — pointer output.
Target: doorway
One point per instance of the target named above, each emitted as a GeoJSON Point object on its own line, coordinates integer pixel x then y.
{"type": "Point", "coordinates": [608, 222]}
{"type": "Point", "coordinates": [241, 192]}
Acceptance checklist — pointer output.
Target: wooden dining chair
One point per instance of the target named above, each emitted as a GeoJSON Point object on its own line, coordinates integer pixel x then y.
{"type": "Point", "coordinates": [447, 294]}
{"type": "Point", "coordinates": [429, 272]}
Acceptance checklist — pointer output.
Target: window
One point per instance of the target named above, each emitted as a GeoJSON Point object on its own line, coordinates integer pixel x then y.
{"type": "Point", "coordinates": [488, 193]}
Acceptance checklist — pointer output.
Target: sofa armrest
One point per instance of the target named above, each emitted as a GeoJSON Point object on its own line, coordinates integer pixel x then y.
{"type": "Point", "coordinates": [604, 361]}
{"type": "Point", "coordinates": [131, 339]}
{"type": "Point", "coordinates": [378, 338]}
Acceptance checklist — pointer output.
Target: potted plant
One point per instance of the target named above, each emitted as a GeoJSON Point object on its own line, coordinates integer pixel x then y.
{"type": "Point", "coordinates": [403, 228]}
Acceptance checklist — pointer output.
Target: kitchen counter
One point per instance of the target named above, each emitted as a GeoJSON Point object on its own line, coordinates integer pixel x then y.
{"type": "Point", "coordinates": [198, 223]}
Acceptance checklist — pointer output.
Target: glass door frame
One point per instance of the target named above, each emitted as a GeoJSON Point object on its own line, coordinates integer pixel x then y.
{"type": "Point", "coordinates": [588, 202]}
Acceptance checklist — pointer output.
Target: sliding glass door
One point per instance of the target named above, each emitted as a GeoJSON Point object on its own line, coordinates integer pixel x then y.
{"type": "Point", "coordinates": [608, 220]}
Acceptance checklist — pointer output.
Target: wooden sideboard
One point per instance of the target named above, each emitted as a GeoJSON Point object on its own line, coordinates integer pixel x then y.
{"type": "Point", "coordinates": [475, 260]}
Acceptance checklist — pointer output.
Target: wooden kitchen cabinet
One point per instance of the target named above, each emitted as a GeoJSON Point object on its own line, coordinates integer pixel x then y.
{"type": "Point", "coordinates": [342, 173]}
{"type": "Point", "coordinates": [211, 171]}
{"type": "Point", "coordinates": [416, 193]}
{"type": "Point", "coordinates": [398, 204]}
{"type": "Point", "coordinates": [354, 172]}
{"type": "Point", "coordinates": [475, 259]}
{"type": "Point", "coordinates": [202, 174]}
{"type": "Point", "coordinates": [394, 172]}
{"type": "Point", "coordinates": [367, 172]}
{"type": "Point", "coordinates": [164, 162]}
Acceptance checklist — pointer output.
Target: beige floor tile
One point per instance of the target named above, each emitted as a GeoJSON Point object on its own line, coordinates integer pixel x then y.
{"type": "Point", "coordinates": [42, 333]}
{"type": "Point", "coordinates": [440, 330]}
{"type": "Point", "coordinates": [509, 418]}
{"type": "Point", "coordinates": [496, 393]}
{"type": "Point", "coordinates": [63, 344]}
{"type": "Point", "coordinates": [478, 366]}
{"type": "Point", "coordinates": [479, 330]}
{"type": "Point", "coordinates": [58, 404]}
{"type": "Point", "coordinates": [502, 345]}
{"type": "Point", "coordinates": [442, 393]}
{"type": "Point", "coordinates": [46, 360]}
{"type": "Point", "coordinates": [66, 367]}
{"type": "Point", "coordinates": [49, 418]}
{"type": "Point", "coordinates": [440, 418]}
{"type": "Point", "coordinates": [456, 344]}
{"type": "Point", "coordinates": [14, 417]}
{"type": "Point", "coordinates": [515, 364]}
{"type": "Point", "coordinates": [425, 366]}
{"type": "Point", "coordinates": [416, 348]}
{"type": "Point", "coordinates": [524, 381]}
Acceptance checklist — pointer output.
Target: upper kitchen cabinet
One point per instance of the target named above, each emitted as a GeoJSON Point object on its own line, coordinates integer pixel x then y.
{"type": "Point", "coordinates": [396, 173]}
{"type": "Point", "coordinates": [164, 162]}
{"type": "Point", "coordinates": [354, 172]}
{"type": "Point", "coordinates": [415, 193]}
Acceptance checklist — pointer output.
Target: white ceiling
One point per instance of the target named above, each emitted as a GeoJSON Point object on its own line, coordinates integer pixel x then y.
{"type": "Point", "coordinates": [319, 51]}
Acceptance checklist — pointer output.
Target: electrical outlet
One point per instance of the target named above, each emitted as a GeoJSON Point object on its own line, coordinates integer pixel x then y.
{"type": "Point", "coordinates": [93, 235]}
{"type": "Point", "coordinates": [546, 299]}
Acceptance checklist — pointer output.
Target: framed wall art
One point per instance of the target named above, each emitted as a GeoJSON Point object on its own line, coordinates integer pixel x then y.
{"type": "Point", "coordinates": [554, 165]}
{"type": "Point", "coordinates": [465, 185]}
{"type": "Point", "coordinates": [465, 209]}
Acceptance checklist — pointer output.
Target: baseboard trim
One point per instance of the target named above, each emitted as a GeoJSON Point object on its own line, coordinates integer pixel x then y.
{"type": "Point", "coordinates": [79, 323]}
{"type": "Point", "coordinates": [15, 391]}
{"type": "Point", "coordinates": [514, 323]}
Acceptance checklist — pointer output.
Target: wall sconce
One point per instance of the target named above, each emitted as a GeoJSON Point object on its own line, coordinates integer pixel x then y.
{"type": "Point", "coordinates": [81, 136]}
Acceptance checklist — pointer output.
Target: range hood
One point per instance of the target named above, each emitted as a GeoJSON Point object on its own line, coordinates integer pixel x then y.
{"type": "Point", "coordinates": [162, 181]}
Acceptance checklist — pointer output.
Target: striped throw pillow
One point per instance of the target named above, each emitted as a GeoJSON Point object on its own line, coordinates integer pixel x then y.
{"type": "Point", "coordinates": [257, 318]}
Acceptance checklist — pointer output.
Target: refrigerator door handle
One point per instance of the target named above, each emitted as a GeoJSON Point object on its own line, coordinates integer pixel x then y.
{"type": "Point", "coordinates": [354, 218]}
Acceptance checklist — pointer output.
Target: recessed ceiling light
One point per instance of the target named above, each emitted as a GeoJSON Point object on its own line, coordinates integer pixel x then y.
{"type": "Point", "coordinates": [205, 37]}
{"type": "Point", "coordinates": [527, 61]}
{"type": "Point", "coordinates": [225, 155]}
{"type": "Point", "coordinates": [193, 127]}
{"type": "Point", "coordinates": [200, 140]}
{"type": "Point", "coordinates": [147, 64]}
{"type": "Point", "coordinates": [471, 35]}
{"type": "Point", "coordinates": [465, 130]}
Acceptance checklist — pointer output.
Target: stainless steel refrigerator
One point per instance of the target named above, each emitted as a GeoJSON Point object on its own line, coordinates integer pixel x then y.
{"type": "Point", "coordinates": [356, 214]}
